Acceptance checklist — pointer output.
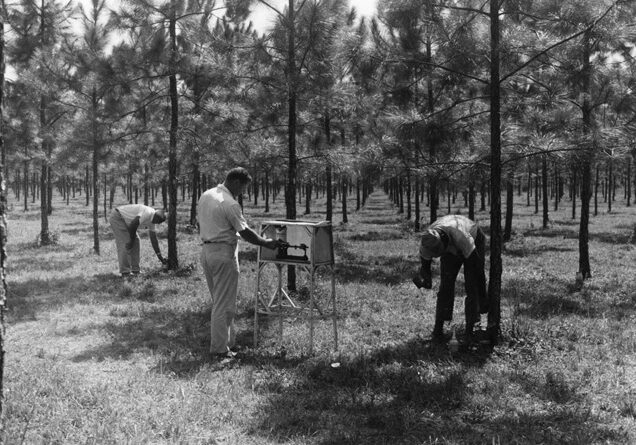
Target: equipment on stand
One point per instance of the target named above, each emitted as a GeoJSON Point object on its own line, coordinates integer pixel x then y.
{"type": "Point", "coordinates": [282, 253]}
{"type": "Point", "coordinates": [304, 245]}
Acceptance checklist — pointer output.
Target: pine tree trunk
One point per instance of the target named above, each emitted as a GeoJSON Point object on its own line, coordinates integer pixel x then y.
{"type": "Point", "coordinates": [510, 192]}
{"type": "Point", "coordinates": [267, 191]}
{"type": "Point", "coordinates": [345, 217]}
{"type": "Point", "coordinates": [26, 186]}
{"type": "Point", "coordinates": [196, 192]}
{"type": "Point", "coordinates": [610, 181]}
{"type": "Point", "coordinates": [471, 200]}
{"type": "Point", "coordinates": [328, 178]}
{"type": "Point", "coordinates": [173, 259]}
{"type": "Point", "coordinates": [95, 163]}
{"type": "Point", "coordinates": [45, 237]}
{"type": "Point", "coordinates": [496, 267]}
{"type": "Point", "coordinates": [556, 188]}
{"type": "Point", "coordinates": [536, 190]}
{"type": "Point", "coordinates": [416, 222]}
{"type": "Point", "coordinates": [3, 226]}
{"type": "Point", "coordinates": [584, 253]}
{"type": "Point", "coordinates": [596, 192]}
{"type": "Point", "coordinates": [544, 191]}
{"type": "Point", "coordinates": [308, 192]}
{"type": "Point", "coordinates": [290, 195]}
{"type": "Point", "coordinates": [573, 188]}
{"type": "Point", "coordinates": [409, 212]}
{"type": "Point", "coordinates": [628, 182]}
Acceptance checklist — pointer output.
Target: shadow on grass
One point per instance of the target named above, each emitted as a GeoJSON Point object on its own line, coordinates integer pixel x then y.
{"type": "Point", "coordinates": [540, 298]}
{"type": "Point", "coordinates": [29, 299]}
{"type": "Point", "coordinates": [388, 221]}
{"type": "Point", "coordinates": [403, 395]}
{"type": "Point", "coordinates": [604, 237]}
{"type": "Point", "coordinates": [377, 236]}
{"type": "Point", "coordinates": [181, 336]}
{"type": "Point", "coordinates": [383, 270]}
{"type": "Point", "coordinates": [524, 251]}
{"type": "Point", "coordinates": [82, 231]}
{"type": "Point", "coordinates": [39, 264]}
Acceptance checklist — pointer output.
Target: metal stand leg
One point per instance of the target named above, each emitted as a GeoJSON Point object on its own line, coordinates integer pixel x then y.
{"type": "Point", "coordinates": [311, 312]}
{"type": "Point", "coordinates": [256, 300]}
{"type": "Point", "coordinates": [279, 291]}
{"type": "Point", "coordinates": [279, 295]}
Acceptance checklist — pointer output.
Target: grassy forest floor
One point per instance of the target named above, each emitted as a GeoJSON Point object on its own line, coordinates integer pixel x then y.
{"type": "Point", "coordinates": [94, 359]}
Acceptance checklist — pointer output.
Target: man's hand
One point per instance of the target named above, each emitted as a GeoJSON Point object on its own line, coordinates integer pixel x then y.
{"type": "Point", "coordinates": [426, 282]}
{"type": "Point", "coordinates": [423, 278]}
{"type": "Point", "coordinates": [271, 243]}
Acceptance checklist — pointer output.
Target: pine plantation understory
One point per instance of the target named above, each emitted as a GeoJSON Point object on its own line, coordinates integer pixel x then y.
{"type": "Point", "coordinates": [94, 359]}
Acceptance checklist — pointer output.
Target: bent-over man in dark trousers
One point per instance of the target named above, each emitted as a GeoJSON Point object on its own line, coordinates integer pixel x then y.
{"type": "Point", "coordinates": [458, 241]}
{"type": "Point", "coordinates": [124, 221]}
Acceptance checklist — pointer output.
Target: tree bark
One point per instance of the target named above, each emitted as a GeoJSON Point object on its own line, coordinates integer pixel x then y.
{"type": "Point", "coordinates": [345, 217]}
{"type": "Point", "coordinates": [95, 164]}
{"type": "Point", "coordinates": [3, 226]}
{"type": "Point", "coordinates": [544, 191]}
{"type": "Point", "coordinates": [584, 252]}
{"type": "Point", "coordinates": [496, 267]}
{"type": "Point", "coordinates": [471, 200]}
{"type": "Point", "coordinates": [510, 192]}
{"type": "Point", "coordinates": [173, 259]}
{"type": "Point", "coordinates": [290, 195]}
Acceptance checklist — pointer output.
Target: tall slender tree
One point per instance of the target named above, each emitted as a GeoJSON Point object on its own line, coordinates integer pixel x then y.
{"type": "Point", "coordinates": [40, 26]}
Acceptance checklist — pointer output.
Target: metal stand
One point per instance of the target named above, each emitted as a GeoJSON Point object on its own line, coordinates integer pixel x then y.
{"type": "Point", "coordinates": [275, 304]}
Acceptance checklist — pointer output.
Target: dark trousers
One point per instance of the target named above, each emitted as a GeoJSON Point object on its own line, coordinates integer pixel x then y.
{"type": "Point", "coordinates": [476, 301]}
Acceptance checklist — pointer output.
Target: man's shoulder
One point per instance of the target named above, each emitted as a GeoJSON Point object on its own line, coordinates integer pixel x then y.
{"type": "Point", "coordinates": [136, 207]}
{"type": "Point", "coordinates": [453, 220]}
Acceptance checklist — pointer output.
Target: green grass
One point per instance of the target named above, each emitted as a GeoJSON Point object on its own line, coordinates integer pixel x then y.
{"type": "Point", "coordinates": [92, 359]}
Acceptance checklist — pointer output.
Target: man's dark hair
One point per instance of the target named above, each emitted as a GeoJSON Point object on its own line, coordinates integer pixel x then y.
{"type": "Point", "coordinates": [240, 174]}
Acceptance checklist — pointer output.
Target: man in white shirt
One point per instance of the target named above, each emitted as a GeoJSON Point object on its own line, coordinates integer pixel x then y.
{"type": "Point", "coordinates": [124, 221]}
{"type": "Point", "coordinates": [458, 241]}
{"type": "Point", "coordinates": [221, 222]}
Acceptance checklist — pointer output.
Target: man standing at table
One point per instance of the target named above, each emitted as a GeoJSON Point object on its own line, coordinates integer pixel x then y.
{"type": "Point", "coordinates": [221, 221]}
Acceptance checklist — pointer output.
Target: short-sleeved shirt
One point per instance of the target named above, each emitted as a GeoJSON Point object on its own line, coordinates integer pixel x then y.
{"type": "Point", "coordinates": [130, 211]}
{"type": "Point", "coordinates": [461, 233]}
{"type": "Point", "coordinates": [220, 216]}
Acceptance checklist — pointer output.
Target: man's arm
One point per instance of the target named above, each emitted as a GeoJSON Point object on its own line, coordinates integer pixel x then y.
{"type": "Point", "coordinates": [425, 272]}
{"type": "Point", "coordinates": [424, 278]}
{"type": "Point", "coordinates": [155, 245]}
{"type": "Point", "coordinates": [132, 231]}
{"type": "Point", "coordinates": [254, 238]}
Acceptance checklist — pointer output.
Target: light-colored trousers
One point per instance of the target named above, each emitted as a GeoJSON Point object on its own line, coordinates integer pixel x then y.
{"type": "Point", "coordinates": [128, 259]}
{"type": "Point", "coordinates": [221, 268]}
